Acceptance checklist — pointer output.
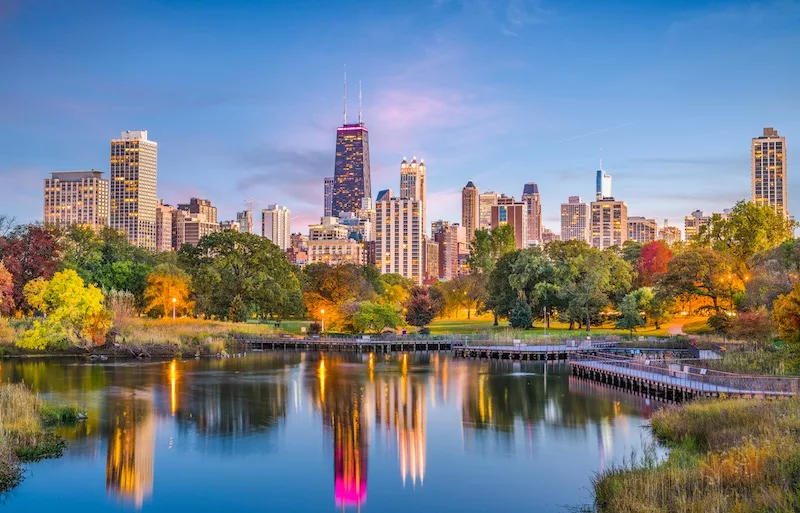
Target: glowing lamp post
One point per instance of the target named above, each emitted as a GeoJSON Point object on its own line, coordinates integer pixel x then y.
{"type": "Point", "coordinates": [322, 312]}
{"type": "Point", "coordinates": [174, 300]}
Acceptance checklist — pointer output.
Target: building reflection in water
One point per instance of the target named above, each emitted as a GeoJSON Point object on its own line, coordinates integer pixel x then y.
{"type": "Point", "coordinates": [131, 444]}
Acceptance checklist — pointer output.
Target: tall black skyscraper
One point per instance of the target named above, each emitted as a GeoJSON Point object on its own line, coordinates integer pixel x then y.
{"type": "Point", "coordinates": [351, 180]}
{"type": "Point", "coordinates": [351, 172]}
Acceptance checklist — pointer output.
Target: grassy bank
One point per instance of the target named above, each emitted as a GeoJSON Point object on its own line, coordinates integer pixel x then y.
{"type": "Point", "coordinates": [485, 325]}
{"type": "Point", "coordinates": [740, 456]}
{"type": "Point", "coordinates": [24, 431]}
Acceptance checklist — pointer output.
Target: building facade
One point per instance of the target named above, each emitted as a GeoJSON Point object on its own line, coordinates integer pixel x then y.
{"type": "Point", "coordinates": [510, 212]}
{"type": "Point", "coordinates": [768, 176]}
{"type": "Point", "coordinates": [328, 197]}
{"type": "Point", "coordinates": [335, 252]}
{"type": "Point", "coordinates": [328, 228]}
{"type": "Point", "coordinates": [609, 223]}
{"type": "Point", "coordinates": [603, 186]}
{"type": "Point", "coordinates": [670, 234]}
{"type": "Point", "coordinates": [452, 242]}
{"type": "Point", "coordinates": [693, 222]}
{"type": "Point", "coordinates": [431, 261]}
{"type": "Point", "coordinates": [642, 230]}
{"type": "Point", "coordinates": [132, 188]}
{"type": "Point", "coordinates": [192, 221]}
{"type": "Point", "coordinates": [576, 220]}
{"type": "Point", "coordinates": [533, 213]}
{"type": "Point", "coordinates": [470, 210]}
{"type": "Point", "coordinates": [549, 236]}
{"type": "Point", "coordinates": [276, 225]}
{"type": "Point", "coordinates": [351, 178]}
{"type": "Point", "coordinates": [486, 200]}
{"type": "Point", "coordinates": [398, 237]}
{"type": "Point", "coordinates": [412, 183]}
{"type": "Point", "coordinates": [165, 221]}
{"type": "Point", "coordinates": [245, 220]}
{"type": "Point", "coordinates": [76, 198]}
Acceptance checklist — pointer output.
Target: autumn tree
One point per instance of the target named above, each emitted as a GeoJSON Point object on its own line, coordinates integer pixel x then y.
{"type": "Point", "coordinates": [653, 261]}
{"type": "Point", "coordinates": [420, 310]}
{"type": "Point", "coordinates": [29, 252]}
{"type": "Point", "coordinates": [6, 291]}
{"type": "Point", "coordinates": [753, 326]}
{"type": "Point", "coordinates": [74, 313]}
{"type": "Point", "coordinates": [786, 314]}
{"type": "Point", "coordinates": [696, 272]}
{"type": "Point", "coordinates": [167, 286]}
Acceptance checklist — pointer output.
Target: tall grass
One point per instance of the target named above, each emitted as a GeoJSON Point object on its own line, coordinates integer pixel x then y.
{"type": "Point", "coordinates": [24, 436]}
{"type": "Point", "coordinates": [738, 456]}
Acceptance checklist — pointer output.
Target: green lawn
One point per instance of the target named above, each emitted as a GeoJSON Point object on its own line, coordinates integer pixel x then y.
{"type": "Point", "coordinates": [485, 324]}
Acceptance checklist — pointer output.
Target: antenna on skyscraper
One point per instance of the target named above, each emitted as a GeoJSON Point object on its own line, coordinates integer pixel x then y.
{"type": "Point", "coordinates": [360, 110]}
{"type": "Point", "coordinates": [345, 94]}
{"type": "Point", "coordinates": [601, 158]}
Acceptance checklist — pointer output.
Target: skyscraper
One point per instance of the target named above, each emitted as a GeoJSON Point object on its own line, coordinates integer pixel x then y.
{"type": "Point", "coordinates": [328, 196]}
{"type": "Point", "coordinates": [603, 185]}
{"type": "Point", "coordinates": [245, 220]}
{"type": "Point", "coordinates": [609, 223]}
{"type": "Point", "coordinates": [192, 221]}
{"type": "Point", "coordinates": [351, 177]}
{"type": "Point", "coordinates": [642, 230]}
{"type": "Point", "coordinates": [470, 210]}
{"type": "Point", "coordinates": [399, 237]}
{"type": "Point", "coordinates": [275, 225]}
{"type": "Point", "coordinates": [412, 183]}
{"type": "Point", "coordinates": [769, 184]}
{"type": "Point", "coordinates": [533, 213]}
{"type": "Point", "coordinates": [452, 242]}
{"type": "Point", "coordinates": [76, 198]}
{"type": "Point", "coordinates": [134, 164]}
{"type": "Point", "coordinates": [510, 212]}
{"type": "Point", "coordinates": [165, 220]}
{"type": "Point", "coordinates": [486, 200]}
{"type": "Point", "coordinates": [575, 220]}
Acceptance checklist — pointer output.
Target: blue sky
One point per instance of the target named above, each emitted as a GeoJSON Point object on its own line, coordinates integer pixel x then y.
{"type": "Point", "coordinates": [244, 97]}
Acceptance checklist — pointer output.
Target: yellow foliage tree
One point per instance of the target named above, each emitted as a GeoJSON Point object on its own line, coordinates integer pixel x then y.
{"type": "Point", "coordinates": [168, 285]}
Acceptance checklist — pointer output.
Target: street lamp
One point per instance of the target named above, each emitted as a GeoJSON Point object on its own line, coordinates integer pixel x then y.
{"type": "Point", "coordinates": [322, 311]}
{"type": "Point", "coordinates": [174, 300]}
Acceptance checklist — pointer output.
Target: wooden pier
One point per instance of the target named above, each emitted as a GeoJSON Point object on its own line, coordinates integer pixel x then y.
{"type": "Point", "coordinates": [527, 352]}
{"type": "Point", "coordinates": [677, 382]}
{"type": "Point", "coordinates": [345, 345]}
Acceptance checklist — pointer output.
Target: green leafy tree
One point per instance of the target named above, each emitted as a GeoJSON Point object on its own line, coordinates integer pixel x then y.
{"type": "Point", "coordinates": [481, 259]}
{"type": "Point", "coordinates": [503, 241]}
{"type": "Point", "coordinates": [500, 295]}
{"type": "Point", "coordinates": [333, 288]}
{"type": "Point", "coordinates": [374, 317]}
{"type": "Point", "coordinates": [697, 272]}
{"type": "Point", "coordinates": [633, 309]}
{"type": "Point", "coordinates": [520, 316]}
{"type": "Point", "coordinates": [420, 310]}
{"type": "Point", "coordinates": [533, 277]}
{"type": "Point", "coordinates": [75, 313]}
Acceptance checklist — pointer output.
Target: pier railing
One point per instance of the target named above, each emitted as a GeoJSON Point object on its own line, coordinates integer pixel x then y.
{"type": "Point", "coordinates": [691, 377]}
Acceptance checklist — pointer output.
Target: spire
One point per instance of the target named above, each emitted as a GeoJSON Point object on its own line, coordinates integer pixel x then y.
{"type": "Point", "coordinates": [360, 121]}
{"type": "Point", "coordinates": [601, 158]}
{"type": "Point", "coordinates": [345, 94]}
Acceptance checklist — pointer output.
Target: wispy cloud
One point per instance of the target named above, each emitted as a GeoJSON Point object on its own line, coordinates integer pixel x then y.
{"type": "Point", "coordinates": [595, 132]}
{"type": "Point", "coordinates": [510, 16]}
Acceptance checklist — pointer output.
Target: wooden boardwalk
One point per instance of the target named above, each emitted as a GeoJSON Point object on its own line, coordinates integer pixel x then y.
{"type": "Point", "coordinates": [676, 381]}
{"type": "Point", "coordinates": [345, 345]}
{"type": "Point", "coordinates": [527, 352]}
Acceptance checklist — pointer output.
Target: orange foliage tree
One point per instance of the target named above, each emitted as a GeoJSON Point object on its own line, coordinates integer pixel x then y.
{"type": "Point", "coordinates": [167, 284]}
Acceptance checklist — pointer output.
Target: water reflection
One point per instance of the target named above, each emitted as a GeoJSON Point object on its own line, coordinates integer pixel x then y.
{"type": "Point", "coordinates": [364, 406]}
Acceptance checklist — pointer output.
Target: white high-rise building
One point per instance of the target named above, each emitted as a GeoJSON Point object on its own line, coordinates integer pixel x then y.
{"type": "Point", "coordinates": [603, 186]}
{"type": "Point", "coordinates": [769, 185]}
{"type": "Point", "coordinates": [609, 223]}
{"type": "Point", "coordinates": [245, 220]}
{"type": "Point", "coordinates": [486, 200]}
{"type": "Point", "coordinates": [399, 237]}
{"type": "Point", "coordinates": [412, 183]}
{"type": "Point", "coordinates": [275, 225]}
{"type": "Point", "coordinates": [576, 220]}
{"type": "Point", "coordinates": [76, 198]}
{"type": "Point", "coordinates": [134, 165]}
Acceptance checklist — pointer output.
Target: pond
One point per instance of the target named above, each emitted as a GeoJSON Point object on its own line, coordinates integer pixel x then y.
{"type": "Point", "coordinates": [326, 432]}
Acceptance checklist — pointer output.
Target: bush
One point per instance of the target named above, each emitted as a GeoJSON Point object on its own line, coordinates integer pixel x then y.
{"type": "Point", "coordinates": [7, 333]}
{"type": "Point", "coordinates": [520, 316]}
{"type": "Point", "coordinates": [719, 322]}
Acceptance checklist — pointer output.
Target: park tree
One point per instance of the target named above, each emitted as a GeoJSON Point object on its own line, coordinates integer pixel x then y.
{"type": "Point", "coordinates": [502, 241]}
{"type": "Point", "coordinates": [533, 277]}
{"type": "Point", "coordinates": [168, 287]}
{"type": "Point", "coordinates": [74, 314]}
{"type": "Point", "coordinates": [520, 316]}
{"type": "Point", "coordinates": [774, 273]}
{"type": "Point", "coordinates": [481, 260]}
{"type": "Point", "coordinates": [6, 291]}
{"type": "Point", "coordinates": [374, 317]}
{"type": "Point", "coordinates": [630, 310]}
{"type": "Point", "coordinates": [29, 252]}
{"type": "Point", "coordinates": [395, 289]}
{"type": "Point", "coordinates": [500, 296]}
{"type": "Point", "coordinates": [749, 229]}
{"type": "Point", "coordinates": [333, 288]}
{"type": "Point", "coordinates": [754, 326]}
{"type": "Point", "coordinates": [786, 314]}
{"type": "Point", "coordinates": [653, 261]}
{"type": "Point", "coordinates": [631, 252]}
{"type": "Point", "coordinates": [697, 272]}
{"type": "Point", "coordinates": [420, 310]}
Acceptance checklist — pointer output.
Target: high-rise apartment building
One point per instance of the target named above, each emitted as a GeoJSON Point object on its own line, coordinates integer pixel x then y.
{"type": "Point", "coordinates": [642, 230]}
{"type": "Point", "coordinates": [399, 237]}
{"type": "Point", "coordinates": [669, 234]}
{"type": "Point", "coordinates": [576, 220]}
{"type": "Point", "coordinates": [452, 242]}
{"type": "Point", "coordinates": [549, 236]}
{"type": "Point", "coordinates": [328, 228]}
{"type": "Point", "coordinates": [192, 221]}
{"type": "Point", "coordinates": [768, 165]}
{"type": "Point", "coordinates": [76, 198]}
{"type": "Point", "coordinates": [533, 213]}
{"type": "Point", "coordinates": [328, 197]}
{"type": "Point", "coordinates": [165, 221]}
{"type": "Point", "coordinates": [431, 261]}
{"type": "Point", "coordinates": [510, 212]}
{"type": "Point", "coordinates": [486, 200]}
{"type": "Point", "coordinates": [603, 185]}
{"type": "Point", "coordinates": [470, 210]}
{"type": "Point", "coordinates": [201, 208]}
{"type": "Point", "coordinates": [276, 225]}
{"type": "Point", "coordinates": [412, 183]}
{"type": "Point", "coordinates": [438, 225]}
{"type": "Point", "coordinates": [609, 223]}
{"type": "Point", "coordinates": [351, 178]}
{"type": "Point", "coordinates": [245, 220]}
{"type": "Point", "coordinates": [693, 222]}
{"type": "Point", "coordinates": [230, 225]}
{"type": "Point", "coordinates": [132, 191]}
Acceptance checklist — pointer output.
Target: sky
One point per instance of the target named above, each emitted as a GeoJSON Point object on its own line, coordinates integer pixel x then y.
{"type": "Point", "coordinates": [244, 97]}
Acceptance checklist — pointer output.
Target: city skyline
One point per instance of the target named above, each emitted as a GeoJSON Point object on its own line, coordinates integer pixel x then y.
{"type": "Point", "coordinates": [270, 139]}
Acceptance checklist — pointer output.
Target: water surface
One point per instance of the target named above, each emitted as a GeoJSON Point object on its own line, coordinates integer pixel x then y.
{"type": "Point", "coordinates": [309, 432]}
